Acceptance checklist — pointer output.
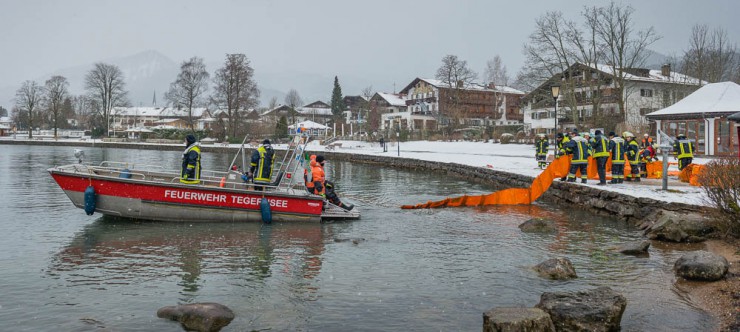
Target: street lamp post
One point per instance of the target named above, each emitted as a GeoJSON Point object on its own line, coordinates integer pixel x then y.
{"type": "Point", "coordinates": [398, 138]}
{"type": "Point", "coordinates": [555, 93]}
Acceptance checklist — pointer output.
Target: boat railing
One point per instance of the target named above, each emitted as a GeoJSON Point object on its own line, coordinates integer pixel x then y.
{"type": "Point", "coordinates": [114, 164]}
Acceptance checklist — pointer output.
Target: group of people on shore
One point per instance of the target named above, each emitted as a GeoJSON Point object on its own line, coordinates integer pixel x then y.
{"type": "Point", "coordinates": [260, 170]}
{"type": "Point", "coordinates": [621, 149]}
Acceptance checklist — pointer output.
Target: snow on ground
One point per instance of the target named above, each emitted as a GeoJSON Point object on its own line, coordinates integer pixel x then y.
{"type": "Point", "coordinates": [518, 159]}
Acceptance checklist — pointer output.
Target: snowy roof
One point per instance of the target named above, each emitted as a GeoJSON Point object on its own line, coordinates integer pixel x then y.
{"type": "Point", "coordinates": [466, 86]}
{"type": "Point", "coordinates": [653, 75]}
{"type": "Point", "coordinates": [508, 89]}
{"type": "Point", "coordinates": [393, 99]}
{"type": "Point", "coordinates": [716, 98]}
{"type": "Point", "coordinates": [5, 119]}
{"type": "Point", "coordinates": [308, 124]}
{"type": "Point", "coordinates": [137, 111]}
{"type": "Point", "coordinates": [313, 110]}
{"type": "Point", "coordinates": [183, 112]}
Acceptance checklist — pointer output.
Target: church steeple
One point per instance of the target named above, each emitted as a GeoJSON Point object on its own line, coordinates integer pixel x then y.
{"type": "Point", "coordinates": [154, 98]}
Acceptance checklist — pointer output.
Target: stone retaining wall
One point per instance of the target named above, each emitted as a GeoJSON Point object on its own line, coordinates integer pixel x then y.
{"type": "Point", "coordinates": [603, 202]}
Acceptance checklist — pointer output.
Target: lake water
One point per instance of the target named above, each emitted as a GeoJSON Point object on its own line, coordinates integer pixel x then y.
{"type": "Point", "coordinates": [392, 270]}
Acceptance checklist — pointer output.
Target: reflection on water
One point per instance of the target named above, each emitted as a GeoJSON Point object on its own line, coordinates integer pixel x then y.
{"type": "Point", "coordinates": [113, 251]}
{"type": "Point", "coordinates": [391, 270]}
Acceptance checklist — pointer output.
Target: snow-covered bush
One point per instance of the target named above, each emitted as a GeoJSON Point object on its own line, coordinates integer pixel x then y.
{"type": "Point", "coordinates": [506, 138]}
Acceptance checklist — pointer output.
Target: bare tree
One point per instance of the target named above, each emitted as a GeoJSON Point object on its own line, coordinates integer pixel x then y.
{"type": "Point", "coordinates": [106, 86]}
{"type": "Point", "coordinates": [235, 88]}
{"type": "Point", "coordinates": [293, 99]}
{"type": "Point", "coordinates": [368, 92]}
{"type": "Point", "coordinates": [710, 57]}
{"type": "Point", "coordinates": [28, 99]}
{"type": "Point", "coordinates": [56, 91]}
{"type": "Point", "coordinates": [191, 84]}
{"type": "Point", "coordinates": [454, 72]}
{"type": "Point", "coordinates": [622, 47]}
{"type": "Point", "coordinates": [456, 76]}
{"type": "Point", "coordinates": [549, 52]}
{"type": "Point", "coordinates": [496, 72]}
{"type": "Point", "coordinates": [273, 103]}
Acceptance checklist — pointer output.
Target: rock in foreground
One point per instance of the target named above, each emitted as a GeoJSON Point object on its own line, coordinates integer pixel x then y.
{"type": "Point", "coordinates": [203, 317]}
{"type": "Point", "coordinates": [701, 265]}
{"type": "Point", "coordinates": [517, 319]}
{"type": "Point", "coordinates": [539, 225]}
{"type": "Point", "coordinates": [677, 227]}
{"type": "Point", "coordinates": [557, 269]}
{"type": "Point", "coordinates": [596, 310]}
{"type": "Point", "coordinates": [635, 248]}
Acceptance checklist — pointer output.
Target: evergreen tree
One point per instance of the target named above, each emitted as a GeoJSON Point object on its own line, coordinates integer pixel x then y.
{"type": "Point", "coordinates": [281, 128]}
{"type": "Point", "coordinates": [337, 104]}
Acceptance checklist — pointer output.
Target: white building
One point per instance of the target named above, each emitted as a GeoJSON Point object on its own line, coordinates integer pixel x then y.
{"type": "Point", "coordinates": [645, 91]}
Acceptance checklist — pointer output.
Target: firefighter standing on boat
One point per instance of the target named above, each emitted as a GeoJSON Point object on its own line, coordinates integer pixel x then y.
{"type": "Point", "coordinates": [260, 169]}
{"type": "Point", "coordinates": [190, 173]}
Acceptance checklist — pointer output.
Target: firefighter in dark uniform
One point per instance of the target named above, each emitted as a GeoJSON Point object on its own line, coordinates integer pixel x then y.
{"type": "Point", "coordinates": [579, 148]}
{"type": "Point", "coordinates": [260, 169]}
{"type": "Point", "coordinates": [632, 149]}
{"type": "Point", "coordinates": [616, 148]}
{"type": "Point", "coordinates": [541, 146]}
{"type": "Point", "coordinates": [600, 148]}
{"type": "Point", "coordinates": [683, 149]}
{"type": "Point", "coordinates": [190, 172]}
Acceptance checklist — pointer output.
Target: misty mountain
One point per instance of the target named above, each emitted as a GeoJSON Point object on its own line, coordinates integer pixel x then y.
{"type": "Point", "coordinates": [151, 71]}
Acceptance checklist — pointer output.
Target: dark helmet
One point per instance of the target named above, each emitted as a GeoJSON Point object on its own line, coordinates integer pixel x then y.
{"type": "Point", "coordinates": [320, 159]}
{"type": "Point", "coordinates": [266, 142]}
{"type": "Point", "coordinates": [560, 135]}
{"type": "Point", "coordinates": [597, 132]}
{"type": "Point", "coordinates": [681, 136]}
{"type": "Point", "coordinates": [190, 139]}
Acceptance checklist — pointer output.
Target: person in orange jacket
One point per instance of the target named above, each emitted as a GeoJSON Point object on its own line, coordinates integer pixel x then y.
{"type": "Point", "coordinates": [323, 187]}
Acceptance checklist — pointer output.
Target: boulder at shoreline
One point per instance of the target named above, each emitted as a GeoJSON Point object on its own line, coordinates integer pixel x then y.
{"type": "Point", "coordinates": [202, 317]}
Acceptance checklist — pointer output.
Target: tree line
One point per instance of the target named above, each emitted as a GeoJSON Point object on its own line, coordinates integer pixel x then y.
{"type": "Point", "coordinates": [49, 105]}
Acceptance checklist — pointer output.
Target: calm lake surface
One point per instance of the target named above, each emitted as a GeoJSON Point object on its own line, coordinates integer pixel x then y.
{"type": "Point", "coordinates": [406, 270]}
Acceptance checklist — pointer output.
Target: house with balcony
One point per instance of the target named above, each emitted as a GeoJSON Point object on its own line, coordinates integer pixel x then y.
{"type": "Point", "coordinates": [432, 104]}
{"type": "Point", "coordinates": [588, 98]}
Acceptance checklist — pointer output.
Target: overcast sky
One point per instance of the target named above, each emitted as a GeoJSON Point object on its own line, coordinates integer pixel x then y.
{"type": "Point", "coordinates": [387, 41]}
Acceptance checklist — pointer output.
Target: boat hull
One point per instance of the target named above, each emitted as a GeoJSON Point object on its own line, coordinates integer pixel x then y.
{"type": "Point", "coordinates": [141, 199]}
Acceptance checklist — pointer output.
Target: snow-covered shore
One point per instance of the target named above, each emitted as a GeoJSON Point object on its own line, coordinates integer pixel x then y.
{"type": "Point", "coordinates": [514, 158]}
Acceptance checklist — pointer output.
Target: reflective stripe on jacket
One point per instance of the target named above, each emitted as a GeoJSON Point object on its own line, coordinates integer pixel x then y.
{"type": "Point", "coordinates": [616, 147]}
{"type": "Point", "coordinates": [262, 160]}
{"type": "Point", "coordinates": [190, 172]}
{"type": "Point", "coordinates": [542, 146]}
{"type": "Point", "coordinates": [683, 148]}
{"type": "Point", "coordinates": [600, 147]}
{"type": "Point", "coordinates": [633, 152]}
{"type": "Point", "coordinates": [562, 143]}
{"type": "Point", "coordinates": [578, 147]}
